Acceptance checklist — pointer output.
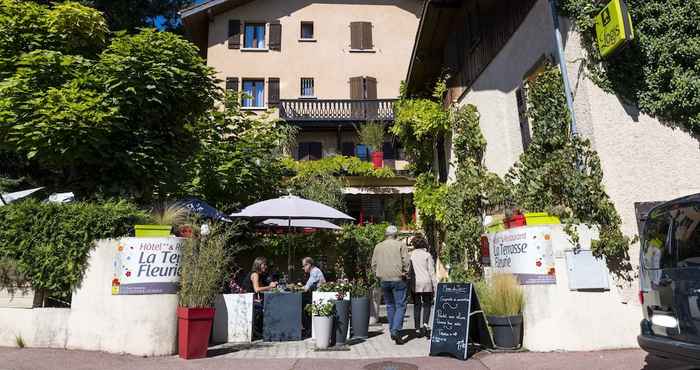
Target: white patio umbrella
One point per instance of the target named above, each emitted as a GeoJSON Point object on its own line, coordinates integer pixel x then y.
{"type": "Point", "coordinates": [290, 207]}
{"type": "Point", "coordinates": [313, 223]}
{"type": "Point", "coordinates": [11, 197]}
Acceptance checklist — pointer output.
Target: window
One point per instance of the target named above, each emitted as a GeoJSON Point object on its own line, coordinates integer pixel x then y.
{"type": "Point", "coordinates": [657, 249]}
{"type": "Point", "coordinates": [686, 232]}
{"type": "Point", "coordinates": [307, 31]}
{"type": "Point", "coordinates": [348, 149]}
{"type": "Point", "coordinates": [254, 93]}
{"type": "Point", "coordinates": [310, 151]}
{"type": "Point", "coordinates": [254, 35]}
{"type": "Point", "coordinates": [363, 88]}
{"type": "Point", "coordinates": [307, 87]}
{"type": "Point", "coordinates": [361, 36]}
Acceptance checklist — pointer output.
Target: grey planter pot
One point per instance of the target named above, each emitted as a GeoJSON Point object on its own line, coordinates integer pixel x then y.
{"type": "Point", "coordinates": [507, 331]}
{"type": "Point", "coordinates": [360, 317]}
{"type": "Point", "coordinates": [376, 299]}
{"type": "Point", "coordinates": [323, 328]}
{"type": "Point", "coordinates": [342, 316]}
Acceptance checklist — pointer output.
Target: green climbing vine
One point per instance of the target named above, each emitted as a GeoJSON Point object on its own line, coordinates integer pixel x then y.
{"type": "Point", "coordinates": [562, 175]}
{"type": "Point", "coordinates": [659, 71]}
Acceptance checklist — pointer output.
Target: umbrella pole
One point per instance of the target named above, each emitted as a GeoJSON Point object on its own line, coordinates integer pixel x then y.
{"type": "Point", "coordinates": [289, 252]}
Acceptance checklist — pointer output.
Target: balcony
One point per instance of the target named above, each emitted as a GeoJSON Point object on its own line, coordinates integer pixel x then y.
{"type": "Point", "coordinates": [336, 110]}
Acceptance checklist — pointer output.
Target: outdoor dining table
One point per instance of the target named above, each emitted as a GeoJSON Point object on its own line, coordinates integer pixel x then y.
{"type": "Point", "coordinates": [283, 316]}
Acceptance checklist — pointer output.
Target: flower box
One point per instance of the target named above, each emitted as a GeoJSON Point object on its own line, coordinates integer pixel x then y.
{"type": "Point", "coordinates": [149, 231]}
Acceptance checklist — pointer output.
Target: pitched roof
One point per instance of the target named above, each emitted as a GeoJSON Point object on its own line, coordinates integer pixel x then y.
{"type": "Point", "coordinates": [211, 6]}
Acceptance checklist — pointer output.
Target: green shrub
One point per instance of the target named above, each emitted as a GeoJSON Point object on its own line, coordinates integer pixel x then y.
{"type": "Point", "coordinates": [323, 309]}
{"type": "Point", "coordinates": [372, 135]}
{"type": "Point", "coordinates": [50, 242]}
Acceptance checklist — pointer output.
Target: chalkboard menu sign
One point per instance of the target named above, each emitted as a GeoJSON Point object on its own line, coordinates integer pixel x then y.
{"type": "Point", "coordinates": [458, 321]}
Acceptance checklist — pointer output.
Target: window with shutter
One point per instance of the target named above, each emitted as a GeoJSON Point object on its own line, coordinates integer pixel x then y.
{"type": "Point", "coordinates": [367, 36]}
{"type": "Point", "coordinates": [232, 84]}
{"type": "Point", "coordinates": [357, 90]}
{"type": "Point", "coordinates": [273, 94]}
{"type": "Point", "coordinates": [275, 36]}
{"type": "Point", "coordinates": [356, 35]}
{"type": "Point", "coordinates": [254, 93]}
{"type": "Point", "coordinates": [234, 34]}
{"type": "Point", "coordinates": [254, 37]}
{"type": "Point", "coordinates": [370, 88]}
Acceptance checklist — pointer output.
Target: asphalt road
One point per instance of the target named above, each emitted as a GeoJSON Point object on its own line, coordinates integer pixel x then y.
{"type": "Point", "coordinates": [56, 359]}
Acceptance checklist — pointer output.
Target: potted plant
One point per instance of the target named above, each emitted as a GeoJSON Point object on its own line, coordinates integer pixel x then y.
{"type": "Point", "coordinates": [202, 265]}
{"type": "Point", "coordinates": [322, 313]}
{"type": "Point", "coordinates": [503, 300]}
{"type": "Point", "coordinates": [164, 217]}
{"type": "Point", "coordinates": [342, 309]}
{"type": "Point", "coordinates": [372, 135]}
{"type": "Point", "coordinates": [359, 302]}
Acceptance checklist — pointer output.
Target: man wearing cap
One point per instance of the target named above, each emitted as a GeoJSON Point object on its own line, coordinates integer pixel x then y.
{"type": "Point", "coordinates": [390, 263]}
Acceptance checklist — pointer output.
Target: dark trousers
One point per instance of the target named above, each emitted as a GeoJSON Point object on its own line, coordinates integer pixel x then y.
{"type": "Point", "coordinates": [257, 319]}
{"type": "Point", "coordinates": [422, 301]}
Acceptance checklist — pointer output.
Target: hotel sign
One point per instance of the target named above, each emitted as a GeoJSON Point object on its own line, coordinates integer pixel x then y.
{"type": "Point", "coordinates": [613, 27]}
{"type": "Point", "coordinates": [146, 266]}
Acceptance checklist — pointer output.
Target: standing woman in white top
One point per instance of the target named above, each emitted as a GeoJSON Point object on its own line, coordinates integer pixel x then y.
{"type": "Point", "coordinates": [424, 284]}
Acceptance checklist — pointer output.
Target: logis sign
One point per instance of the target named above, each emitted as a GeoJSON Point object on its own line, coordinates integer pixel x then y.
{"type": "Point", "coordinates": [613, 27]}
{"type": "Point", "coordinates": [525, 252]}
{"type": "Point", "coordinates": [147, 266]}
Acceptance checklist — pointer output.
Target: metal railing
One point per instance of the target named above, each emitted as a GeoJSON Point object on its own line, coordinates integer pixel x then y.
{"type": "Point", "coordinates": [292, 110]}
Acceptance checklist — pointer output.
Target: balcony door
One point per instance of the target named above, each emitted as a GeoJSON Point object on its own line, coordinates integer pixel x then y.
{"type": "Point", "coordinates": [364, 88]}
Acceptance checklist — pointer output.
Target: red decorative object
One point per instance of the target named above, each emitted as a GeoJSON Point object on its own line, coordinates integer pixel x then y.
{"type": "Point", "coordinates": [378, 159]}
{"type": "Point", "coordinates": [193, 329]}
{"type": "Point", "coordinates": [516, 220]}
{"type": "Point", "coordinates": [185, 231]}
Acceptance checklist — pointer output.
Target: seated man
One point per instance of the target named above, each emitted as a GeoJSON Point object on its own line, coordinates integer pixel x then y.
{"type": "Point", "coordinates": [316, 277]}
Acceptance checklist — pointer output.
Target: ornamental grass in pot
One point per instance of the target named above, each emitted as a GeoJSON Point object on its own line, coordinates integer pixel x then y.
{"type": "Point", "coordinates": [164, 218]}
{"type": "Point", "coordinates": [503, 300]}
{"type": "Point", "coordinates": [202, 265]}
{"type": "Point", "coordinates": [359, 309]}
{"type": "Point", "coordinates": [322, 314]}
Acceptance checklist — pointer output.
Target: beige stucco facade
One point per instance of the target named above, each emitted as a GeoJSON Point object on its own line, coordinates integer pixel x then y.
{"type": "Point", "coordinates": [643, 159]}
{"type": "Point", "coordinates": [328, 59]}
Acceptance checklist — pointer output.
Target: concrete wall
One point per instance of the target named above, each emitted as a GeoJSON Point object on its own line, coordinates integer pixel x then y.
{"type": "Point", "coordinates": [136, 324]}
{"type": "Point", "coordinates": [328, 60]}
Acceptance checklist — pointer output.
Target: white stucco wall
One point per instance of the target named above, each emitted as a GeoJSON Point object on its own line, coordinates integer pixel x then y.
{"type": "Point", "coordinates": [642, 160]}
{"type": "Point", "coordinates": [143, 325]}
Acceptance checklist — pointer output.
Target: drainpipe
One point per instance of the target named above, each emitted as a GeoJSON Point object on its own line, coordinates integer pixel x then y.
{"type": "Point", "coordinates": [562, 66]}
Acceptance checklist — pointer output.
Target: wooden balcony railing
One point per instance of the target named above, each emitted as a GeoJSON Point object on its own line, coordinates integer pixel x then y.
{"type": "Point", "coordinates": [300, 110]}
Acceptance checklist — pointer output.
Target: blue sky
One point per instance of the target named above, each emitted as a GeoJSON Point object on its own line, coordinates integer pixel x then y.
{"type": "Point", "coordinates": [160, 20]}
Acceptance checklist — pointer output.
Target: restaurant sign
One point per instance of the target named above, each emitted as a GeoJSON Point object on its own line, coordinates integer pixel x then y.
{"type": "Point", "coordinates": [613, 27]}
{"type": "Point", "coordinates": [525, 252]}
{"type": "Point", "coordinates": [146, 266]}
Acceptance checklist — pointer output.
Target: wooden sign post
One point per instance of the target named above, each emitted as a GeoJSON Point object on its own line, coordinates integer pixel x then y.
{"type": "Point", "coordinates": [458, 321]}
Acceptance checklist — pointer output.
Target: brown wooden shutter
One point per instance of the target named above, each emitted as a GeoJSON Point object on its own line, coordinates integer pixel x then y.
{"type": "Point", "coordinates": [232, 84]}
{"type": "Point", "coordinates": [275, 36]}
{"type": "Point", "coordinates": [356, 35]}
{"type": "Point", "coordinates": [273, 94]}
{"type": "Point", "coordinates": [367, 35]}
{"type": "Point", "coordinates": [370, 88]}
{"type": "Point", "coordinates": [356, 89]}
{"type": "Point", "coordinates": [234, 34]}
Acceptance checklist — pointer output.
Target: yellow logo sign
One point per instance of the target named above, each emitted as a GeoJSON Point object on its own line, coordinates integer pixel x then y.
{"type": "Point", "coordinates": [613, 27]}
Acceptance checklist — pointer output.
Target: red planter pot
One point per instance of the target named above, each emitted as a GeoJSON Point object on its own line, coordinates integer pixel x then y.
{"type": "Point", "coordinates": [378, 159]}
{"type": "Point", "coordinates": [193, 329]}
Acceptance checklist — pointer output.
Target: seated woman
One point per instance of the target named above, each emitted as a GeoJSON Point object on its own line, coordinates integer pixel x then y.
{"type": "Point", "coordinates": [258, 282]}
{"type": "Point", "coordinates": [316, 277]}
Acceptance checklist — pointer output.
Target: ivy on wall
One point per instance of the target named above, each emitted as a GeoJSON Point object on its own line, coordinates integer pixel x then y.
{"type": "Point", "coordinates": [659, 71]}
{"type": "Point", "coordinates": [562, 175]}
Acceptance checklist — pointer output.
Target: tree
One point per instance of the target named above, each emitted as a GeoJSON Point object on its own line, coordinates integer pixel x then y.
{"type": "Point", "coordinates": [95, 115]}
{"type": "Point", "coordinates": [129, 15]}
{"type": "Point", "coordinates": [239, 157]}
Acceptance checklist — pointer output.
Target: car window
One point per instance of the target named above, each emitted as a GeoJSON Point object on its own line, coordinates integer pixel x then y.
{"type": "Point", "coordinates": [657, 250]}
{"type": "Point", "coordinates": [686, 235]}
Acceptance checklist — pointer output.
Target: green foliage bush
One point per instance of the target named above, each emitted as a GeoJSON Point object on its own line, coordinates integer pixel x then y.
{"type": "Point", "coordinates": [562, 175]}
{"type": "Point", "coordinates": [357, 243]}
{"type": "Point", "coordinates": [372, 135]}
{"type": "Point", "coordinates": [337, 165]}
{"type": "Point", "coordinates": [50, 242]}
{"type": "Point", "coordinates": [659, 71]}
{"type": "Point", "coordinates": [420, 124]}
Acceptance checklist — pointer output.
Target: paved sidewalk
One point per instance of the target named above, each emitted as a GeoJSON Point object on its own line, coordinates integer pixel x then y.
{"type": "Point", "coordinates": [55, 359]}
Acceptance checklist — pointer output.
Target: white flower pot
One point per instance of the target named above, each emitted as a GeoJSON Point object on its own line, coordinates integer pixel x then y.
{"type": "Point", "coordinates": [323, 326]}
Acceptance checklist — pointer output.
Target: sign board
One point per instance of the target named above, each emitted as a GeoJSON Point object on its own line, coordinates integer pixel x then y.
{"type": "Point", "coordinates": [525, 252]}
{"type": "Point", "coordinates": [147, 266]}
{"type": "Point", "coordinates": [613, 27]}
{"type": "Point", "coordinates": [458, 321]}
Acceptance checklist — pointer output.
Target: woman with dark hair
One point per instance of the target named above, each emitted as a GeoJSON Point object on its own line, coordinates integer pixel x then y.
{"type": "Point", "coordinates": [423, 284]}
{"type": "Point", "coordinates": [258, 282]}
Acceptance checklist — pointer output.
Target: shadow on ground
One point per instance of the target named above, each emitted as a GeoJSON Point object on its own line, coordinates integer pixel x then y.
{"type": "Point", "coordinates": [658, 363]}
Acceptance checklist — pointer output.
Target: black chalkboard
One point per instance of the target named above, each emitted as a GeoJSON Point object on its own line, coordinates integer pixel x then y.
{"type": "Point", "coordinates": [457, 322]}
